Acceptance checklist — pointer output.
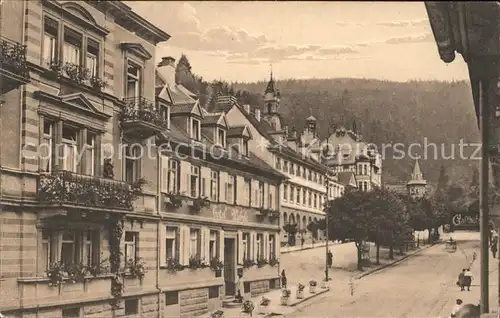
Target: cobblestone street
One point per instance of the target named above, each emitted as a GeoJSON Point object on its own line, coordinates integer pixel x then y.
{"type": "Point", "coordinates": [421, 286]}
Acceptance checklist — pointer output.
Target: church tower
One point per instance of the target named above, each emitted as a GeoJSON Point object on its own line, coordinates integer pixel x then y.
{"type": "Point", "coordinates": [417, 185]}
{"type": "Point", "coordinates": [270, 112]}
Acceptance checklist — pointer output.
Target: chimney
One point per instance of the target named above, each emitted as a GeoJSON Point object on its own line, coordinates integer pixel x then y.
{"type": "Point", "coordinates": [257, 114]}
{"type": "Point", "coordinates": [166, 68]}
{"type": "Point", "coordinates": [247, 108]}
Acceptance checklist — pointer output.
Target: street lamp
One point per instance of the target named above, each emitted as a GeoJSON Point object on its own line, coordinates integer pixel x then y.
{"type": "Point", "coordinates": [327, 233]}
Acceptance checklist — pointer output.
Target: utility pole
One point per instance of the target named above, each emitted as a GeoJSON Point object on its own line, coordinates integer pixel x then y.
{"type": "Point", "coordinates": [327, 217]}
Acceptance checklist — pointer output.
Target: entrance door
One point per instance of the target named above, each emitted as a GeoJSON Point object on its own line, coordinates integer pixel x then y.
{"type": "Point", "coordinates": [230, 265]}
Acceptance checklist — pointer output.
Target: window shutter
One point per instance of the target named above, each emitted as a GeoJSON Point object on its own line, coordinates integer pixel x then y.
{"type": "Point", "coordinates": [266, 195]}
{"type": "Point", "coordinates": [163, 244]}
{"type": "Point", "coordinates": [222, 186]}
{"type": "Point", "coordinates": [182, 245]}
{"type": "Point", "coordinates": [203, 239]}
{"type": "Point", "coordinates": [221, 246]}
{"type": "Point", "coordinates": [164, 174]}
{"type": "Point", "coordinates": [266, 251]}
{"type": "Point", "coordinates": [206, 245]}
{"type": "Point", "coordinates": [273, 193]}
{"type": "Point", "coordinates": [178, 244]}
{"type": "Point", "coordinates": [187, 240]}
{"type": "Point", "coordinates": [277, 245]}
{"type": "Point", "coordinates": [240, 247]}
{"type": "Point", "coordinates": [205, 179]}
{"type": "Point", "coordinates": [241, 195]}
{"type": "Point", "coordinates": [184, 175]}
{"type": "Point", "coordinates": [253, 246]}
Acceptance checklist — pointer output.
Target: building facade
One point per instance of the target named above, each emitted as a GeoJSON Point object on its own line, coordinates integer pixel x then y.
{"type": "Point", "coordinates": [417, 185]}
{"type": "Point", "coordinates": [347, 152]}
{"type": "Point", "coordinates": [304, 193]}
{"type": "Point", "coordinates": [99, 218]}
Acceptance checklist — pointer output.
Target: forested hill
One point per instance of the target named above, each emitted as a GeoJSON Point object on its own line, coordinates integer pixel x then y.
{"type": "Point", "coordinates": [389, 112]}
{"type": "Point", "coordinates": [385, 112]}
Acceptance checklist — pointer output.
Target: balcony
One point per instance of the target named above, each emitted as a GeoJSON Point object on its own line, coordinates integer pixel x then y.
{"type": "Point", "coordinates": [140, 118]}
{"type": "Point", "coordinates": [63, 188]}
{"type": "Point", "coordinates": [13, 68]}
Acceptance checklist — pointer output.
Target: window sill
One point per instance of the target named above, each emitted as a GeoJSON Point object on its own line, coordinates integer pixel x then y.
{"type": "Point", "coordinates": [34, 280]}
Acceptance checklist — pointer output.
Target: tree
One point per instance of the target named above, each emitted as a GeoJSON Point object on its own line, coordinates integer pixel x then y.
{"type": "Point", "coordinates": [291, 230]}
{"type": "Point", "coordinates": [184, 76]}
{"type": "Point", "coordinates": [350, 218]}
{"type": "Point", "coordinates": [313, 227]}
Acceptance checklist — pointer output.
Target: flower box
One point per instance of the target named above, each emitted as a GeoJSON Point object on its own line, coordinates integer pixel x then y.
{"type": "Point", "coordinates": [323, 284]}
{"type": "Point", "coordinates": [312, 289]}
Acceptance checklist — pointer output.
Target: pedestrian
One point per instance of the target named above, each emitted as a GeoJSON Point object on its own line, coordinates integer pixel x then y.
{"type": "Point", "coordinates": [302, 241]}
{"type": "Point", "coordinates": [461, 280]}
{"type": "Point", "coordinates": [283, 279]}
{"type": "Point", "coordinates": [239, 289]}
{"type": "Point", "coordinates": [456, 308]}
{"type": "Point", "coordinates": [467, 278]}
{"type": "Point", "coordinates": [494, 248]}
{"type": "Point", "coordinates": [330, 258]}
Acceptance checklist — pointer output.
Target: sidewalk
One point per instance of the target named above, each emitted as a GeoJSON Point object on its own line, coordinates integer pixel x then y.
{"type": "Point", "coordinates": [289, 249]}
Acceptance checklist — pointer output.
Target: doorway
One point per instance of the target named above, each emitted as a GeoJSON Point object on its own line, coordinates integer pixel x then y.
{"type": "Point", "coordinates": [230, 266]}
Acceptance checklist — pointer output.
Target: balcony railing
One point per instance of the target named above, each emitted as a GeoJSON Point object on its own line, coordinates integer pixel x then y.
{"type": "Point", "coordinates": [13, 64]}
{"type": "Point", "coordinates": [139, 109]}
{"type": "Point", "coordinates": [75, 73]}
{"type": "Point", "coordinates": [64, 187]}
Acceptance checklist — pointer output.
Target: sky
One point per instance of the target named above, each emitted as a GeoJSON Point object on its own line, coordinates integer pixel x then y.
{"type": "Point", "coordinates": [239, 41]}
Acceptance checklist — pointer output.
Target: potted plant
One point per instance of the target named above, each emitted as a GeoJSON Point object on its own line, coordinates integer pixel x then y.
{"type": "Point", "coordinates": [135, 268]}
{"type": "Point", "coordinates": [195, 262]}
{"type": "Point", "coordinates": [262, 212]}
{"type": "Point", "coordinates": [273, 215]}
{"type": "Point", "coordinates": [312, 286]}
{"type": "Point", "coordinates": [55, 274]}
{"type": "Point", "coordinates": [323, 284]}
{"type": "Point", "coordinates": [247, 263]}
{"type": "Point", "coordinates": [217, 314]}
{"type": "Point", "coordinates": [77, 272]}
{"type": "Point", "coordinates": [174, 200]}
{"type": "Point", "coordinates": [273, 261]}
{"type": "Point", "coordinates": [173, 265]}
{"type": "Point", "coordinates": [300, 291]}
{"type": "Point", "coordinates": [263, 306]}
{"type": "Point", "coordinates": [248, 307]}
{"type": "Point", "coordinates": [99, 268]}
{"type": "Point", "coordinates": [197, 204]}
{"type": "Point", "coordinates": [261, 262]}
{"type": "Point", "coordinates": [216, 265]}
{"type": "Point", "coordinates": [285, 296]}
{"type": "Point", "coordinates": [97, 83]}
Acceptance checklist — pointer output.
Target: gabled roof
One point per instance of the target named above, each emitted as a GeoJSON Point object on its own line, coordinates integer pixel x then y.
{"type": "Point", "coordinates": [194, 109]}
{"type": "Point", "coordinates": [347, 178]}
{"type": "Point", "coordinates": [239, 131]}
{"type": "Point", "coordinates": [137, 48]}
{"type": "Point", "coordinates": [76, 102]}
{"type": "Point", "coordinates": [211, 119]}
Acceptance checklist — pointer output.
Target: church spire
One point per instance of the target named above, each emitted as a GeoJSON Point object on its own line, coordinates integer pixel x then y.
{"type": "Point", "coordinates": [417, 177]}
{"type": "Point", "coordinates": [270, 85]}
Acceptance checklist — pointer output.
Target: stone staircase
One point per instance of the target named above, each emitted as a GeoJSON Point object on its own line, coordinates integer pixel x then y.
{"type": "Point", "coordinates": [230, 302]}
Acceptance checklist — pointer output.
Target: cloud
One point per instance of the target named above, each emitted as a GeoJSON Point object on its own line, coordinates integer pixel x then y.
{"type": "Point", "coordinates": [416, 38]}
{"type": "Point", "coordinates": [404, 23]}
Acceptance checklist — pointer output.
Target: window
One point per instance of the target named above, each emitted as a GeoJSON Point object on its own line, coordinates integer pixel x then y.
{"type": "Point", "coordinates": [133, 81]}
{"type": "Point", "coordinates": [245, 147]}
{"type": "Point", "coordinates": [315, 200]}
{"type": "Point", "coordinates": [213, 292]}
{"type": "Point", "coordinates": [212, 245]}
{"type": "Point", "coordinates": [214, 186]}
{"type": "Point", "coordinates": [171, 298]}
{"type": "Point", "coordinates": [50, 41]}
{"type": "Point", "coordinates": [69, 139]}
{"type": "Point", "coordinates": [292, 193]}
{"type": "Point", "coordinates": [132, 164]}
{"type": "Point", "coordinates": [90, 154]}
{"type": "Point", "coordinates": [309, 199]}
{"type": "Point", "coordinates": [87, 248]}
{"type": "Point", "coordinates": [230, 190]}
{"type": "Point", "coordinates": [46, 147]}
{"type": "Point", "coordinates": [194, 182]}
{"type": "Point", "coordinates": [221, 137]}
{"type": "Point", "coordinates": [298, 195]}
{"type": "Point", "coordinates": [303, 172]}
{"type": "Point", "coordinates": [68, 248]}
{"type": "Point", "coordinates": [92, 58]}
{"type": "Point", "coordinates": [194, 243]}
{"type": "Point", "coordinates": [278, 163]}
{"type": "Point", "coordinates": [260, 246]}
{"type": "Point", "coordinates": [246, 245]}
{"type": "Point", "coordinates": [270, 203]}
{"type": "Point", "coordinates": [46, 250]}
{"type": "Point", "coordinates": [131, 248]}
{"type": "Point", "coordinates": [248, 190]}
{"type": "Point", "coordinates": [72, 47]}
{"type": "Point", "coordinates": [71, 312]}
{"type": "Point", "coordinates": [173, 176]}
{"type": "Point", "coordinates": [170, 243]}
{"type": "Point", "coordinates": [165, 113]}
{"type": "Point", "coordinates": [195, 129]}
{"type": "Point", "coordinates": [285, 192]}
{"type": "Point", "coordinates": [285, 166]}
{"type": "Point", "coordinates": [271, 248]}
{"type": "Point", "coordinates": [292, 168]}
{"type": "Point", "coordinates": [303, 196]}
{"type": "Point", "coordinates": [131, 306]}
{"type": "Point", "coordinates": [261, 194]}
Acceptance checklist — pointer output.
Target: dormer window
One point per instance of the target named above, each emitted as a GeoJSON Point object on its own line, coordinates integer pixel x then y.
{"type": "Point", "coordinates": [165, 113]}
{"type": "Point", "coordinates": [245, 147]}
{"type": "Point", "coordinates": [195, 129]}
{"type": "Point", "coordinates": [221, 137]}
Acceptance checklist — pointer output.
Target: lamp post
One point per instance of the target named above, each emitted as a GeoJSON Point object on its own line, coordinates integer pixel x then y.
{"type": "Point", "coordinates": [327, 217]}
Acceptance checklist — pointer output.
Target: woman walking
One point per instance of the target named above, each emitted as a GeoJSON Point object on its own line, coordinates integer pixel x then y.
{"type": "Point", "coordinates": [467, 279]}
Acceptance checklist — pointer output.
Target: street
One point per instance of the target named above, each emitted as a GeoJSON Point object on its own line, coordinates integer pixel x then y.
{"type": "Point", "coordinates": [421, 286]}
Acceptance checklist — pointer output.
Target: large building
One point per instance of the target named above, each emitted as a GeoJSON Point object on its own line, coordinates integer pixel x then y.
{"type": "Point", "coordinates": [127, 199]}
{"type": "Point", "coordinates": [303, 195]}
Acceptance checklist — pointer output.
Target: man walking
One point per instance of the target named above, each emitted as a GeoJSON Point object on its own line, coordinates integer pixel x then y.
{"type": "Point", "coordinates": [494, 248]}
{"type": "Point", "coordinates": [330, 258]}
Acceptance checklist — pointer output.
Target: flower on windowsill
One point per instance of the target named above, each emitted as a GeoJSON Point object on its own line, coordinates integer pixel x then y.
{"type": "Point", "coordinates": [216, 264]}
{"type": "Point", "coordinates": [261, 262]}
{"type": "Point", "coordinates": [175, 200]}
{"type": "Point", "coordinates": [77, 272]}
{"type": "Point", "coordinates": [247, 263]}
{"type": "Point", "coordinates": [97, 83]}
{"type": "Point", "coordinates": [101, 268]}
{"type": "Point", "coordinates": [173, 265]}
{"type": "Point", "coordinates": [135, 268]}
{"type": "Point", "coordinates": [247, 307]}
{"type": "Point", "coordinates": [195, 262]}
{"type": "Point", "coordinates": [263, 211]}
{"type": "Point", "coordinates": [273, 261]}
{"type": "Point", "coordinates": [198, 204]}
{"type": "Point", "coordinates": [55, 274]}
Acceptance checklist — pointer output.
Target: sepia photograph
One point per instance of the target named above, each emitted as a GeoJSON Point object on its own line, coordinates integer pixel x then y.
{"type": "Point", "coordinates": [234, 159]}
